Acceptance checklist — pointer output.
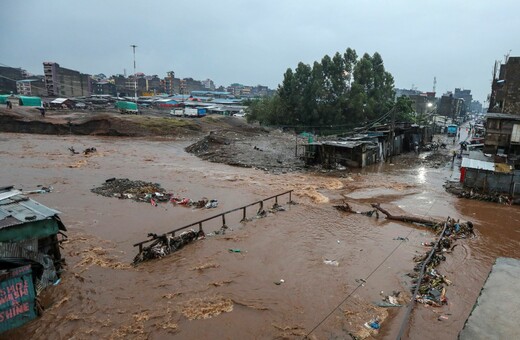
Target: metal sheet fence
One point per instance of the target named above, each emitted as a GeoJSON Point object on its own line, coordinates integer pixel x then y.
{"type": "Point", "coordinates": [493, 182]}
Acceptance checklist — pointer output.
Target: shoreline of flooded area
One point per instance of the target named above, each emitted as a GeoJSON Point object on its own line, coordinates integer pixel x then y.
{"type": "Point", "coordinates": [206, 291]}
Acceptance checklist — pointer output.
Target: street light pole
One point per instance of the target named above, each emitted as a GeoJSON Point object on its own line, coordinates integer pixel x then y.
{"type": "Point", "coordinates": [135, 75]}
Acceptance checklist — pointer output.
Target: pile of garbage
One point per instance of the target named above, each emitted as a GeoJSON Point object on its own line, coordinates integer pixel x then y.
{"type": "Point", "coordinates": [153, 193]}
{"type": "Point", "coordinates": [458, 190]}
{"type": "Point", "coordinates": [432, 289]}
{"type": "Point", "coordinates": [431, 285]}
{"type": "Point", "coordinates": [166, 244]}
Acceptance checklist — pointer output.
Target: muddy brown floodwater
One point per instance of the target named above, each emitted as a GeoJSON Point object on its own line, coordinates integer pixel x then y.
{"type": "Point", "coordinates": [206, 292]}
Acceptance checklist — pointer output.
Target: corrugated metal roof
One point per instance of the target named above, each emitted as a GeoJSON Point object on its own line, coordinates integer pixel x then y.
{"type": "Point", "coordinates": [18, 209]}
{"type": "Point", "coordinates": [346, 144]}
{"type": "Point", "coordinates": [477, 164]}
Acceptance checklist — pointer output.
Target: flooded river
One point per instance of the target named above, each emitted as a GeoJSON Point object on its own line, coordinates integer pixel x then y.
{"type": "Point", "coordinates": [206, 292]}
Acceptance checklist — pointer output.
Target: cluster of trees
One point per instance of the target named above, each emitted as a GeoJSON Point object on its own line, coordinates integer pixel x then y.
{"type": "Point", "coordinates": [343, 90]}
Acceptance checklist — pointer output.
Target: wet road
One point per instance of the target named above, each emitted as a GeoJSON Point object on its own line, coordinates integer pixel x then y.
{"type": "Point", "coordinates": [101, 296]}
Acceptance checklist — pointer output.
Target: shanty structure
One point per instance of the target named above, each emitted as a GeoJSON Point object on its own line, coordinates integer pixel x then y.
{"type": "Point", "coordinates": [348, 153]}
{"type": "Point", "coordinates": [484, 174]}
{"type": "Point", "coordinates": [62, 103]}
{"type": "Point", "coordinates": [30, 258]}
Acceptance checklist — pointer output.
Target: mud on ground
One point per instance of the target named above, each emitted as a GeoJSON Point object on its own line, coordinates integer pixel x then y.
{"type": "Point", "coordinates": [257, 148]}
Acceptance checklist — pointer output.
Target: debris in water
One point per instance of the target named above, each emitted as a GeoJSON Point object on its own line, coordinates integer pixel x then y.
{"type": "Point", "coordinates": [206, 266]}
{"type": "Point", "coordinates": [141, 191]}
{"type": "Point", "coordinates": [290, 331]}
{"type": "Point", "coordinates": [400, 238]}
{"type": "Point", "coordinates": [205, 308]}
{"type": "Point", "coordinates": [211, 204]}
{"type": "Point", "coordinates": [166, 244]}
{"type": "Point", "coordinates": [373, 324]}
{"type": "Point", "coordinates": [331, 262]}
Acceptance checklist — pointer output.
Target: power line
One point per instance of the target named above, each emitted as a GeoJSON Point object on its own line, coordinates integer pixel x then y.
{"type": "Point", "coordinates": [359, 285]}
{"type": "Point", "coordinates": [331, 126]}
{"type": "Point", "coordinates": [366, 279]}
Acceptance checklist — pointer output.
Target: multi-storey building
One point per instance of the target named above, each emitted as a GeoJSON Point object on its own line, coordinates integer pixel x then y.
{"type": "Point", "coordinates": [31, 87]}
{"type": "Point", "coordinates": [104, 87]}
{"type": "Point", "coordinates": [63, 82]}
{"type": "Point", "coordinates": [449, 106]}
{"type": "Point", "coordinates": [208, 84]}
{"type": "Point", "coordinates": [466, 96]}
{"type": "Point", "coordinates": [423, 103]}
{"type": "Point", "coordinates": [8, 78]}
{"type": "Point", "coordinates": [505, 89]}
{"type": "Point", "coordinates": [503, 118]}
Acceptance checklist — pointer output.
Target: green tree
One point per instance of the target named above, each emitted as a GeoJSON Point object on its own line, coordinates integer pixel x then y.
{"type": "Point", "coordinates": [344, 89]}
{"type": "Point", "coordinates": [404, 110]}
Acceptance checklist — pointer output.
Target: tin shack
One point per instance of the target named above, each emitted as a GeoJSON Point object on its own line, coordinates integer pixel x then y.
{"type": "Point", "coordinates": [30, 259]}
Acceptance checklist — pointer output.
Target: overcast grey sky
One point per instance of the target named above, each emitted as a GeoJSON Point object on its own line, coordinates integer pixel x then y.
{"type": "Point", "coordinates": [254, 42]}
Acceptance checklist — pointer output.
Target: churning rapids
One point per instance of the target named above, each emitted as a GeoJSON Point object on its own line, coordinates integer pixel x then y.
{"type": "Point", "coordinates": [206, 292]}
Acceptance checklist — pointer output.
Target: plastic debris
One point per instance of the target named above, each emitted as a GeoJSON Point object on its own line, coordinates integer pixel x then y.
{"type": "Point", "coordinates": [212, 204]}
{"type": "Point", "coordinates": [279, 282]}
{"type": "Point", "coordinates": [387, 304]}
{"type": "Point", "coordinates": [373, 324]}
{"type": "Point", "coordinates": [236, 250]}
{"type": "Point", "coordinates": [390, 300]}
{"type": "Point", "coordinates": [42, 190]}
{"type": "Point", "coordinates": [331, 262]}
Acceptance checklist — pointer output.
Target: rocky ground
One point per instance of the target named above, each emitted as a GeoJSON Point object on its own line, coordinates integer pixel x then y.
{"type": "Point", "coordinates": [258, 148]}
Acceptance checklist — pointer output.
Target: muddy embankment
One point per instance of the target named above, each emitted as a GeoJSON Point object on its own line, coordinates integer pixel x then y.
{"type": "Point", "coordinates": [228, 140]}
{"type": "Point", "coordinates": [252, 147]}
{"type": "Point", "coordinates": [25, 120]}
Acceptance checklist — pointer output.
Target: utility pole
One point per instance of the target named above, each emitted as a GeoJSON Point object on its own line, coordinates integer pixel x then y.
{"type": "Point", "coordinates": [392, 135]}
{"type": "Point", "coordinates": [135, 75]}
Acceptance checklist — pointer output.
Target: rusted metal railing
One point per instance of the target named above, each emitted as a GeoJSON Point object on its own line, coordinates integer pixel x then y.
{"type": "Point", "coordinates": [221, 215]}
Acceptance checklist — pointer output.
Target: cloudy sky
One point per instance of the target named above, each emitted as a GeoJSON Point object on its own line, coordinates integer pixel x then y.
{"type": "Point", "coordinates": [254, 42]}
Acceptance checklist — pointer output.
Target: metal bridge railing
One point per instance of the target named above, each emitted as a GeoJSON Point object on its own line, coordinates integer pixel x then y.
{"type": "Point", "coordinates": [221, 215]}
